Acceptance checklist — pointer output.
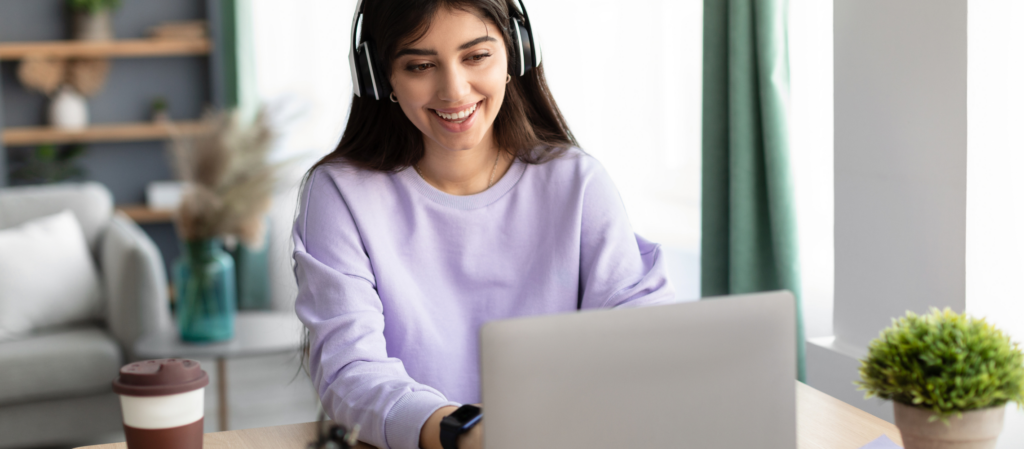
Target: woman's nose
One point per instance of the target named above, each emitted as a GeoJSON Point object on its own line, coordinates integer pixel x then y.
{"type": "Point", "coordinates": [454, 85]}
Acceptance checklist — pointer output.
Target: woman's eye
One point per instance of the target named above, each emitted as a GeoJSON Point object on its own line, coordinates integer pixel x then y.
{"type": "Point", "coordinates": [480, 57]}
{"type": "Point", "coordinates": [418, 67]}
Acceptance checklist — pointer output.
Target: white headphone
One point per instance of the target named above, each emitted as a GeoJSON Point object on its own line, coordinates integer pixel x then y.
{"type": "Point", "coordinates": [368, 80]}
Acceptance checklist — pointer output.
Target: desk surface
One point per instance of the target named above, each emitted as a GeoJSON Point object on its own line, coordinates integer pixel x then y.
{"type": "Point", "coordinates": [823, 422]}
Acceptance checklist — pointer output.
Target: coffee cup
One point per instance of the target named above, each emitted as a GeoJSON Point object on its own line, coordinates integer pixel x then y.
{"type": "Point", "coordinates": [162, 403]}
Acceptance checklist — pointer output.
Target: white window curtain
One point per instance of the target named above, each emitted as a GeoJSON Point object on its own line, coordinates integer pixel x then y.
{"type": "Point", "coordinates": [627, 76]}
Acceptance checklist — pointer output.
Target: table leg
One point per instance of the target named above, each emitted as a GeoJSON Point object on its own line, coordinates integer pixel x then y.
{"type": "Point", "coordinates": [222, 394]}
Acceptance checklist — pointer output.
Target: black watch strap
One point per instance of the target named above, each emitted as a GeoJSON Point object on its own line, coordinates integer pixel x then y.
{"type": "Point", "coordinates": [459, 422]}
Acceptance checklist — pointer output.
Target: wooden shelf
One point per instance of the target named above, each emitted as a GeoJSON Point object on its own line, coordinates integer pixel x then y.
{"type": "Point", "coordinates": [108, 132]}
{"type": "Point", "coordinates": [126, 48]}
{"type": "Point", "coordinates": [144, 215]}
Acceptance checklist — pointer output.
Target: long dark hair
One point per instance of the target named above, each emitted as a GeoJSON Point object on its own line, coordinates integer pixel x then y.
{"type": "Point", "coordinates": [380, 137]}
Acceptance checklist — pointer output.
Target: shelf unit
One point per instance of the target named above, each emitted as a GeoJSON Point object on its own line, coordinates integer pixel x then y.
{"type": "Point", "coordinates": [220, 89]}
{"type": "Point", "coordinates": [107, 132]}
{"type": "Point", "coordinates": [126, 48]}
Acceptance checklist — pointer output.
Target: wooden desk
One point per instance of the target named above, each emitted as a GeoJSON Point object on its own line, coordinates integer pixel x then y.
{"type": "Point", "coordinates": [822, 422]}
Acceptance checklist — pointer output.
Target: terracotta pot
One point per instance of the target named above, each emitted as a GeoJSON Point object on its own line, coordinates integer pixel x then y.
{"type": "Point", "coordinates": [977, 429]}
{"type": "Point", "coordinates": [94, 26]}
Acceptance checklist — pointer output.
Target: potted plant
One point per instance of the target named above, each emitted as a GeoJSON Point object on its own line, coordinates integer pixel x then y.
{"type": "Point", "coordinates": [949, 377]}
{"type": "Point", "coordinates": [92, 18]}
{"type": "Point", "coordinates": [158, 109]}
{"type": "Point", "coordinates": [48, 164]}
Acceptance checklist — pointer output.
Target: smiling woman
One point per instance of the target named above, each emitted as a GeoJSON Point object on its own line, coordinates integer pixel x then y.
{"type": "Point", "coordinates": [455, 63]}
{"type": "Point", "coordinates": [456, 197]}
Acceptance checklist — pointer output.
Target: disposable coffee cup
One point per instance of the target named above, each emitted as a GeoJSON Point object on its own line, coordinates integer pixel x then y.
{"type": "Point", "coordinates": [162, 403]}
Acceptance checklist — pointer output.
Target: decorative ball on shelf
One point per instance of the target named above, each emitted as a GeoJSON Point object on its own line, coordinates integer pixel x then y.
{"type": "Point", "coordinates": [87, 76]}
{"type": "Point", "coordinates": [41, 73]}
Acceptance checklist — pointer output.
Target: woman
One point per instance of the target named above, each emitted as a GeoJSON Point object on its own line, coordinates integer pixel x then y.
{"type": "Point", "coordinates": [455, 197]}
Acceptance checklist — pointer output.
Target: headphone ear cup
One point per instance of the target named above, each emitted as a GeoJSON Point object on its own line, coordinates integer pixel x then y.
{"type": "Point", "coordinates": [522, 60]}
{"type": "Point", "coordinates": [383, 84]}
{"type": "Point", "coordinates": [527, 46]}
{"type": "Point", "coordinates": [371, 78]}
{"type": "Point", "coordinates": [517, 48]}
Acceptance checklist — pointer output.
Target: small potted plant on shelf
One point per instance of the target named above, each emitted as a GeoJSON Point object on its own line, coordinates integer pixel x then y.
{"type": "Point", "coordinates": [949, 377]}
{"type": "Point", "coordinates": [92, 19]}
{"type": "Point", "coordinates": [158, 110]}
{"type": "Point", "coordinates": [48, 164]}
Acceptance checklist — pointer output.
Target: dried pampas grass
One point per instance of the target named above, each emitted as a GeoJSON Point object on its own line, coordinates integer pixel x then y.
{"type": "Point", "coordinates": [229, 180]}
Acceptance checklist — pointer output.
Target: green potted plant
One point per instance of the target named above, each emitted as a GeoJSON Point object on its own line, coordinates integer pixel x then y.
{"type": "Point", "coordinates": [158, 108]}
{"type": "Point", "coordinates": [48, 164]}
{"type": "Point", "coordinates": [949, 377]}
{"type": "Point", "coordinates": [92, 18]}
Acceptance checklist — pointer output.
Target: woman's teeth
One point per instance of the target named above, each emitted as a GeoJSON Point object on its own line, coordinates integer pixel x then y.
{"type": "Point", "coordinates": [458, 117]}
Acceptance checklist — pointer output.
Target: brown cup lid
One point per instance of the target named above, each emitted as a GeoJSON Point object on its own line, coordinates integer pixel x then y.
{"type": "Point", "coordinates": [160, 377]}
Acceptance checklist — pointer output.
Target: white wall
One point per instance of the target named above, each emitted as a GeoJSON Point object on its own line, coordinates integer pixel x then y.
{"type": "Point", "coordinates": [900, 160]}
{"type": "Point", "coordinates": [900, 70]}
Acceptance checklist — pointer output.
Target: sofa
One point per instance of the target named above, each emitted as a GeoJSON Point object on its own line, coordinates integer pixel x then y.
{"type": "Point", "coordinates": [55, 384]}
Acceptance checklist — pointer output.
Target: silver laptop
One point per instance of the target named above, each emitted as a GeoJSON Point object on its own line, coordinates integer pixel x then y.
{"type": "Point", "coordinates": [717, 373]}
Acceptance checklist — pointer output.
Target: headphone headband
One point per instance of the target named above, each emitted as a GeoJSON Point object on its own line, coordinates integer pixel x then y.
{"type": "Point", "coordinates": [368, 80]}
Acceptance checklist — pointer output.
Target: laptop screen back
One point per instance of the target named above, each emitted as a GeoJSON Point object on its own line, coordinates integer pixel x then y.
{"type": "Point", "coordinates": [717, 373]}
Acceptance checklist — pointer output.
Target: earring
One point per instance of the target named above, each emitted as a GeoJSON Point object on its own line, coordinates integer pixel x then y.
{"type": "Point", "coordinates": [508, 77]}
{"type": "Point", "coordinates": [393, 98]}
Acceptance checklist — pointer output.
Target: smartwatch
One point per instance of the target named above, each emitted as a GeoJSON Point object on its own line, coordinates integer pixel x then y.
{"type": "Point", "coordinates": [458, 423]}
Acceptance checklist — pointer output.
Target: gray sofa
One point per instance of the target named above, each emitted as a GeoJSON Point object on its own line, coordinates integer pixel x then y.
{"type": "Point", "coordinates": [55, 384]}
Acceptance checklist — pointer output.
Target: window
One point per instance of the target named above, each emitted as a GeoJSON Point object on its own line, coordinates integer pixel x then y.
{"type": "Point", "coordinates": [627, 76]}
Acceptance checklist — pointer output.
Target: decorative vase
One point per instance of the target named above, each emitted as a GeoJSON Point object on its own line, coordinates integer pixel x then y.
{"type": "Point", "coordinates": [204, 282]}
{"type": "Point", "coordinates": [252, 269]}
{"type": "Point", "coordinates": [68, 109]}
{"type": "Point", "coordinates": [977, 429]}
{"type": "Point", "coordinates": [94, 26]}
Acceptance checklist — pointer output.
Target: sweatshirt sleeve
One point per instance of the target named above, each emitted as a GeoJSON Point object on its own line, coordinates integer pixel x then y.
{"type": "Point", "coordinates": [337, 301]}
{"type": "Point", "coordinates": [618, 268]}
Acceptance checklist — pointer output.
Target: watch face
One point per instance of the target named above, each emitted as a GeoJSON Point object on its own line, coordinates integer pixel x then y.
{"type": "Point", "coordinates": [465, 413]}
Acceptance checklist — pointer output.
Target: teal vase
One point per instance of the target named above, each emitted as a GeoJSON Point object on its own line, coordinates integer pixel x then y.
{"type": "Point", "coordinates": [252, 273]}
{"type": "Point", "coordinates": [204, 282]}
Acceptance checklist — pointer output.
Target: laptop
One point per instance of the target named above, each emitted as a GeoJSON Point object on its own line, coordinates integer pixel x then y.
{"type": "Point", "coordinates": [717, 373]}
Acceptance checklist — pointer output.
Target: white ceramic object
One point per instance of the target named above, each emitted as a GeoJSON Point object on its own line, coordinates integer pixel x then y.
{"type": "Point", "coordinates": [977, 429]}
{"type": "Point", "coordinates": [68, 109]}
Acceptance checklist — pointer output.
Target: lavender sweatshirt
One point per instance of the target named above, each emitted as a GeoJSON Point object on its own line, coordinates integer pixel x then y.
{"type": "Point", "coordinates": [396, 277]}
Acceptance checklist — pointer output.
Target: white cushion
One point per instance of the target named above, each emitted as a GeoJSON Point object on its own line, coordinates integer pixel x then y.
{"type": "Point", "coordinates": [47, 276]}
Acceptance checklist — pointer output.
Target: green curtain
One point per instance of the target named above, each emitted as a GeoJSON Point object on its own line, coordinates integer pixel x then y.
{"type": "Point", "coordinates": [237, 57]}
{"type": "Point", "coordinates": [748, 241]}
